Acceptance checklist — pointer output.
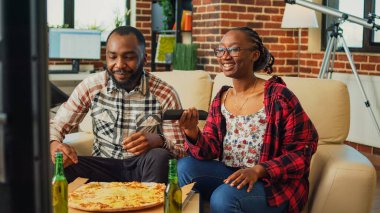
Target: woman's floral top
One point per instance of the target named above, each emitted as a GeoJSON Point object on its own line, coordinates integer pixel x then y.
{"type": "Point", "coordinates": [244, 138]}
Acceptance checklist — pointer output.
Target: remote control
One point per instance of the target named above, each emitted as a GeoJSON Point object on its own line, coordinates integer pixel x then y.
{"type": "Point", "coordinates": [175, 114]}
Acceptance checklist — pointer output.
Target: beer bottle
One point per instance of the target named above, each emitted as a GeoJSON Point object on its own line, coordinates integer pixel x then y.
{"type": "Point", "coordinates": [173, 193]}
{"type": "Point", "coordinates": [59, 186]}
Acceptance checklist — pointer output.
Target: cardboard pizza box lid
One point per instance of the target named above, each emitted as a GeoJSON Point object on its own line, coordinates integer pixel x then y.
{"type": "Point", "coordinates": [186, 195]}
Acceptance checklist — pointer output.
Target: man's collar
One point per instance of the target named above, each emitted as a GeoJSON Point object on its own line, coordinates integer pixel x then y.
{"type": "Point", "coordinates": [111, 84]}
{"type": "Point", "coordinates": [142, 87]}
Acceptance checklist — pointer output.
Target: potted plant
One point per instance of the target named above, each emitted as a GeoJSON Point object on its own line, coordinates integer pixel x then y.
{"type": "Point", "coordinates": [121, 19]}
{"type": "Point", "coordinates": [167, 12]}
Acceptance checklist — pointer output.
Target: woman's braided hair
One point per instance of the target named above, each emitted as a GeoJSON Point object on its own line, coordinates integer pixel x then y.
{"type": "Point", "coordinates": [266, 59]}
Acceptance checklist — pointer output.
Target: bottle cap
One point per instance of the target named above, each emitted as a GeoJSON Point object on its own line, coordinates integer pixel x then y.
{"type": "Point", "coordinates": [58, 154]}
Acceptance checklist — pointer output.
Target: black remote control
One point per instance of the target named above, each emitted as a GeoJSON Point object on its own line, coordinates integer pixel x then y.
{"type": "Point", "coordinates": [175, 114]}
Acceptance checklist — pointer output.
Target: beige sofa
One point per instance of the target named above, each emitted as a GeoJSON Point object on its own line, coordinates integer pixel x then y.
{"type": "Point", "coordinates": [341, 178]}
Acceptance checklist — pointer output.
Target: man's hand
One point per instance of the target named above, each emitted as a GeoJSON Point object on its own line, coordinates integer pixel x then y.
{"type": "Point", "coordinates": [69, 154]}
{"type": "Point", "coordinates": [141, 142]}
{"type": "Point", "coordinates": [243, 177]}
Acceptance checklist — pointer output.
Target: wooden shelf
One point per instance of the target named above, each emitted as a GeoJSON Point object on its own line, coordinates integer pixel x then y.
{"type": "Point", "coordinates": [178, 6]}
{"type": "Point", "coordinates": [165, 31]}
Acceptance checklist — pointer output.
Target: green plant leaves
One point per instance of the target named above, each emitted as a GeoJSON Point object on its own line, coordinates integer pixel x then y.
{"type": "Point", "coordinates": [185, 57]}
{"type": "Point", "coordinates": [167, 10]}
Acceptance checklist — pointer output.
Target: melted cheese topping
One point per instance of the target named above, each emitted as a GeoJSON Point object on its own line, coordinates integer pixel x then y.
{"type": "Point", "coordinates": [116, 195]}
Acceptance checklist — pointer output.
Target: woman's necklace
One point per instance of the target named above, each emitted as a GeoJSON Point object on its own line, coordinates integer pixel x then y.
{"type": "Point", "coordinates": [246, 99]}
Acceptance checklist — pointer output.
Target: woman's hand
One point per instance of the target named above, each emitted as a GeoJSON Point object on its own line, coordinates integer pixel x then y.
{"type": "Point", "coordinates": [189, 122]}
{"type": "Point", "coordinates": [243, 177]}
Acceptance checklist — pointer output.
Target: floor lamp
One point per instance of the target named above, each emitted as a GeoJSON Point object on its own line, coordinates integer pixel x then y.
{"type": "Point", "coordinates": [299, 17]}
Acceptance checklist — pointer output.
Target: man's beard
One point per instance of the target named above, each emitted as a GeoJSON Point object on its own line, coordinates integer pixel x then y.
{"type": "Point", "coordinates": [131, 83]}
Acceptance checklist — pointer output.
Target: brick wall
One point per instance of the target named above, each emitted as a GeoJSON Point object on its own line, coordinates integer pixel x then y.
{"type": "Point", "coordinates": [212, 18]}
{"type": "Point", "coordinates": [143, 23]}
{"type": "Point", "coordinates": [364, 148]}
{"type": "Point", "coordinates": [98, 64]}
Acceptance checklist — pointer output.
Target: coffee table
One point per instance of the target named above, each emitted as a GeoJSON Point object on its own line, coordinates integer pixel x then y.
{"type": "Point", "coordinates": [192, 205]}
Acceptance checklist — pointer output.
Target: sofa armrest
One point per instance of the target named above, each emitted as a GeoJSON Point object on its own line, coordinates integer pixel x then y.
{"type": "Point", "coordinates": [81, 141]}
{"type": "Point", "coordinates": [341, 180]}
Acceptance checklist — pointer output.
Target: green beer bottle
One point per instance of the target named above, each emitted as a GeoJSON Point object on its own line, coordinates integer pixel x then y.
{"type": "Point", "coordinates": [59, 186]}
{"type": "Point", "coordinates": [173, 193]}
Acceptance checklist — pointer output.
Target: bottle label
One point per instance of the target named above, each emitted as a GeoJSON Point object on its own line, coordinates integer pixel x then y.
{"type": "Point", "coordinates": [59, 199]}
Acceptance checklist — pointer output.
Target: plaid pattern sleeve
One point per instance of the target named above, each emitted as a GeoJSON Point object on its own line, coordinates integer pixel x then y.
{"type": "Point", "coordinates": [209, 142]}
{"type": "Point", "coordinates": [72, 112]}
{"type": "Point", "coordinates": [169, 100]}
{"type": "Point", "coordinates": [289, 143]}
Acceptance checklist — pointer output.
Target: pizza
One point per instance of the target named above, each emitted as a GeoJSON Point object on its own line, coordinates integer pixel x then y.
{"type": "Point", "coordinates": [116, 196]}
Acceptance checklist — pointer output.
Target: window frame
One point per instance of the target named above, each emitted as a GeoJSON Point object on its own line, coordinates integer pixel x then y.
{"type": "Point", "coordinates": [368, 45]}
{"type": "Point", "coordinates": [69, 14]}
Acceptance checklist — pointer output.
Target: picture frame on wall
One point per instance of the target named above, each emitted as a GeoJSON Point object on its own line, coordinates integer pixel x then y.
{"type": "Point", "coordinates": [165, 48]}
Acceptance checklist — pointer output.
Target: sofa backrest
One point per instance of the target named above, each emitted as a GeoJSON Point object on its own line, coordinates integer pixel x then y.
{"type": "Point", "coordinates": [325, 101]}
{"type": "Point", "coordinates": [193, 87]}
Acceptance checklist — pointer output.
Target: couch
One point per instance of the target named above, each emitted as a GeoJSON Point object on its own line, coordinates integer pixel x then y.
{"type": "Point", "coordinates": [341, 178]}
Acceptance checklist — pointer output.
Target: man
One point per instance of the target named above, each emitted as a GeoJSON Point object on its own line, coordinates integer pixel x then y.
{"type": "Point", "coordinates": [132, 143]}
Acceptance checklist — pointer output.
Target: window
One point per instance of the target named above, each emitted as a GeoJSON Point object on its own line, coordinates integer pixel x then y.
{"type": "Point", "coordinates": [357, 37]}
{"type": "Point", "coordinates": [102, 15]}
{"type": "Point", "coordinates": [55, 13]}
{"type": "Point", "coordinates": [377, 12]}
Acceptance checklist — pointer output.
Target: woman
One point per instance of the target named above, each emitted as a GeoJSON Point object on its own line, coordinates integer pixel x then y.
{"type": "Point", "coordinates": [257, 130]}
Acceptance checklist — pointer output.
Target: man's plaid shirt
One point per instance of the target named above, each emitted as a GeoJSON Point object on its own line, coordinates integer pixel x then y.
{"type": "Point", "coordinates": [290, 140]}
{"type": "Point", "coordinates": [116, 114]}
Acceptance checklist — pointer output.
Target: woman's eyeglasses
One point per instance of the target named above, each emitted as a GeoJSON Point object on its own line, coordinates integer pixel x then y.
{"type": "Point", "coordinates": [232, 51]}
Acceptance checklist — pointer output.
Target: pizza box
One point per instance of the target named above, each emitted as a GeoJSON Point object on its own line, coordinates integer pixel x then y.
{"type": "Point", "coordinates": [190, 200]}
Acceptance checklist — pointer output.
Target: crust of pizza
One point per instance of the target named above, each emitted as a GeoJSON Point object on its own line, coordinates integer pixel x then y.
{"type": "Point", "coordinates": [116, 196]}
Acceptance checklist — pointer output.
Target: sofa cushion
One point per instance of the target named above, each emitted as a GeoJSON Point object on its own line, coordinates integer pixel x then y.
{"type": "Point", "coordinates": [81, 141]}
{"type": "Point", "coordinates": [325, 101]}
{"type": "Point", "coordinates": [193, 87]}
{"type": "Point", "coordinates": [337, 173]}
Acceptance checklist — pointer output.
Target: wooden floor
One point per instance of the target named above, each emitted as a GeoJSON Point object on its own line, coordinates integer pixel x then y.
{"type": "Point", "coordinates": [375, 159]}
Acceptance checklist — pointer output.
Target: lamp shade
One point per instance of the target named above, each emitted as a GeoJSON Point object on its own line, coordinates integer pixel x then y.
{"type": "Point", "coordinates": [296, 16]}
